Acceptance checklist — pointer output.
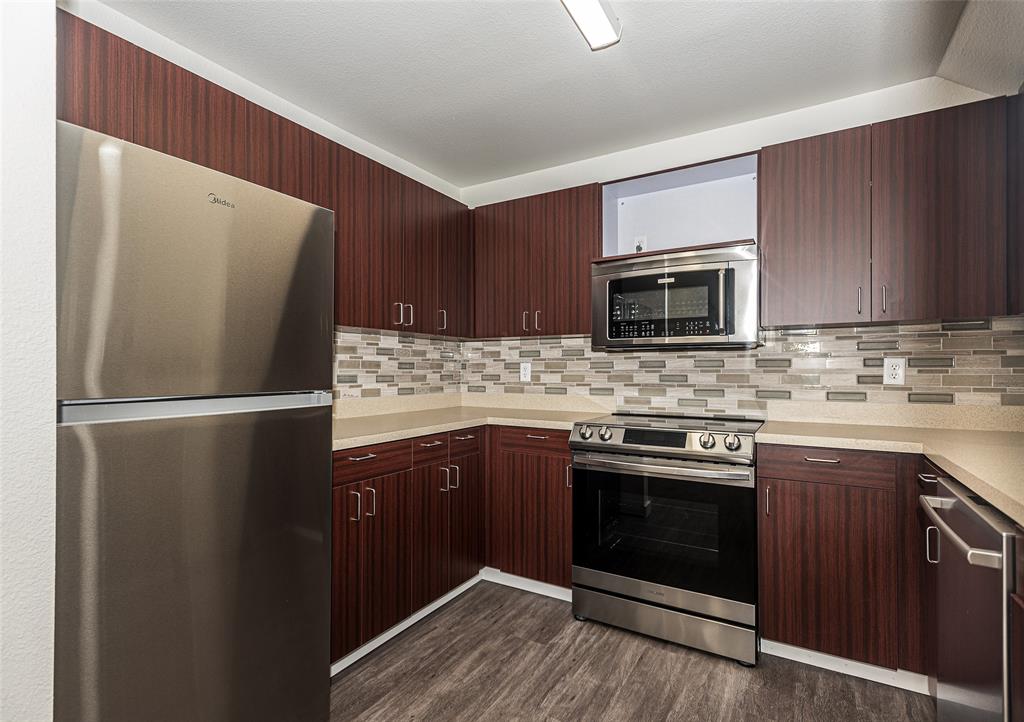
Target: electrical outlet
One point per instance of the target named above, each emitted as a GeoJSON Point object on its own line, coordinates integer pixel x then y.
{"type": "Point", "coordinates": [640, 243]}
{"type": "Point", "coordinates": [525, 371]}
{"type": "Point", "coordinates": [895, 370]}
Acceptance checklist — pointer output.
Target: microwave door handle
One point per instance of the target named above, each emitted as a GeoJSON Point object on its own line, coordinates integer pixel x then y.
{"type": "Point", "coordinates": [721, 302]}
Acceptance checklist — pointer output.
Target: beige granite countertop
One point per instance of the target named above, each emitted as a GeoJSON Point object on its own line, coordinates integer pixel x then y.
{"type": "Point", "coordinates": [990, 463]}
{"type": "Point", "coordinates": [363, 430]}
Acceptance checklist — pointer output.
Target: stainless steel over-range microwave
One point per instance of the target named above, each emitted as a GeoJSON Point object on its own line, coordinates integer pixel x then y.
{"type": "Point", "coordinates": [698, 298]}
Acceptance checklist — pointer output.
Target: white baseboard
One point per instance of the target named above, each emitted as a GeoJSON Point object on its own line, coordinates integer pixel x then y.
{"type": "Point", "coordinates": [380, 639]}
{"type": "Point", "coordinates": [901, 678]}
{"type": "Point", "coordinates": [491, 574]}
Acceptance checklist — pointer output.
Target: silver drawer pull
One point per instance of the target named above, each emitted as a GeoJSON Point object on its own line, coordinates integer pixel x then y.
{"type": "Point", "coordinates": [821, 461]}
{"type": "Point", "coordinates": [464, 438]}
{"type": "Point", "coordinates": [538, 438]}
{"type": "Point", "coordinates": [362, 458]}
{"type": "Point", "coordinates": [432, 443]}
{"type": "Point", "coordinates": [930, 478]}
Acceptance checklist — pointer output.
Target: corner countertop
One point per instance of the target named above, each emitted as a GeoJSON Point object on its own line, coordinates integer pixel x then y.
{"type": "Point", "coordinates": [365, 430]}
{"type": "Point", "coordinates": [989, 463]}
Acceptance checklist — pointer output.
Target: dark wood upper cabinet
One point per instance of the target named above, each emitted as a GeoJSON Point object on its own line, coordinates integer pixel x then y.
{"type": "Point", "coordinates": [532, 263]}
{"type": "Point", "coordinates": [1015, 202]}
{"type": "Point", "coordinates": [455, 271]}
{"type": "Point", "coordinates": [184, 115]}
{"type": "Point", "coordinates": [96, 77]}
{"type": "Point", "coordinates": [939, 214]}
{"type": "Point", "coordinates": [815, 237]}
{"type": "Point", "coordinates": [828, 568]}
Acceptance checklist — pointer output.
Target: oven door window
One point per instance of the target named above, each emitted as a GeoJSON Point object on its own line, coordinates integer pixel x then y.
{"type": "Point", "coordinates": [679, 303]}
{"type": "Point", "coordinates": [689, 535]}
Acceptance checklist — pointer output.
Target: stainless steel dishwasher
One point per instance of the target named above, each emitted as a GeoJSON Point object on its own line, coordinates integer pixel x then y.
{"type": "Point", "coordinates": [973, 546]}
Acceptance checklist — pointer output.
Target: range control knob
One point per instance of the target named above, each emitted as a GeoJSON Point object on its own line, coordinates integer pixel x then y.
{"type": "Point", "coordinates": [707, 441]}
{"type": "Point", "coordinates": [605, 434]}
{"type": "Point", "coordinates": [586, 432]}
{"type": "Point", "coordinates": [732, 443]}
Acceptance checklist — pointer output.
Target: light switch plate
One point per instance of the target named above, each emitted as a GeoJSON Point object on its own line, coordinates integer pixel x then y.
{"type": "Point", "coordinates": [525, 371]}
{"type": "Point", "coordinates": [895, 370]}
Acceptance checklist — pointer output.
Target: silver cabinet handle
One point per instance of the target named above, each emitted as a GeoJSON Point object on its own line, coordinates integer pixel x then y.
{"type": "Point", "coordinates": [976, 556]}
{"type": "Point", "coordinates": [821, 461]}
{"type": "Point", "coordinates": [928, 478]}
{"type": "Point", "coordinates": [538, 438]}
{"type": "Point", "coordinates": [359, 506]}
{"type": "Point", "coordinates": [409, 323]}
{"type": "Point", "coordinates": [860, 294]}
{"type": "Point", "coordinates": [374, 492]}
{"type": "Point", "coordinates": [465, 438]}
{"type": "Point", "coordinates": [444, 323]}
{"type": "Point", "coordinates": [767, 501]}
{"type": "Point", "coordinates": [401, 314]}
{"type": "Point", "coordinates": [366, 457]}
{"type": "Point", "coordinates": [429, 444]}
{"type": "Point", "coordinates": [536, 320]}
{"type": "Point", "coordinates": [447, 478]}
{"type": "Point", "coordinates": [525, 314]}
{"type": "Point", "coordinates": [884, 299]}
{"type": "Point", "coordinates": [568, 476]}
{"type": "Point", "coordinates": [458, 477]}
{"type": "Point", "coordinates": [721, 302]}
{"type": "Point", "coordinates": [928, 544]}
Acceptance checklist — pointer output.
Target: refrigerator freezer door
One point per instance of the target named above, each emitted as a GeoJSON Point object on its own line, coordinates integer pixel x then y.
{"type": "Point", "coordinates": [176, 280]}
{"type": "Point", "coordinates": [193, 568]}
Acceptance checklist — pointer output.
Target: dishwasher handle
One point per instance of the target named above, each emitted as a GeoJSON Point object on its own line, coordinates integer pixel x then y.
{"type": "Point", "coordinates": [978, 557]}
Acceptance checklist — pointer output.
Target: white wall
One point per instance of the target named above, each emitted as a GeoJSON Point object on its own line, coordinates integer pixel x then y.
{"type": "Point", "coordinates": [27, 358]}
{"type": "Point", "coordinates": [906, 99]}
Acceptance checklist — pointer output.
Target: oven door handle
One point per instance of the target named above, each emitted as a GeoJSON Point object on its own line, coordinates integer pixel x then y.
{"type": "Point", "coordinates": [686, 473]}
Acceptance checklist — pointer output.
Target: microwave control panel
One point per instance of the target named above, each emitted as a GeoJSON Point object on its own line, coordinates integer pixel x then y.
{"type": "Point", "coordinates": [657, 329]}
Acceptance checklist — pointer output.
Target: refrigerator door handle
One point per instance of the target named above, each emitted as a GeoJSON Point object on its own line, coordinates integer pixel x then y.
{"type": "Point", "coordinates": [90, 412]}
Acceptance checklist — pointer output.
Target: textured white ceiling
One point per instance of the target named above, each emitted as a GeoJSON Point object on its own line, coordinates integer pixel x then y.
{"type": "Point", "coordinates": [987, 49]}
{"type": "Point", "coordinates": [477, 90]}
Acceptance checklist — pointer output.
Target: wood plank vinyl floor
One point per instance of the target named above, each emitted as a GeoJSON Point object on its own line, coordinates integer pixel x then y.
{"type": "Point", "coordinates": [497, 653]}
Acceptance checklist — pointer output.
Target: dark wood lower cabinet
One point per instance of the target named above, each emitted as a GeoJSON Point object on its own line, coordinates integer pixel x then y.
{"type": "Point", "coordinates": [465, 503]}
{"type": "Point", "coordinates": [915, 476]}
{"type": "Point", "coordinates": [346, 570]}
{"type": "Point", "coordinates": [529, 514]}
{"type": "Point", "coordinates": [426, 506]}
{"type": "Point", "coordinates": [386, 549]}
{"type": "Point", "coordinates": [828, 568]}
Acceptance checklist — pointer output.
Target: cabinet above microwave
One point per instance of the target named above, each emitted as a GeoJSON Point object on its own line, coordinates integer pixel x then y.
{"type": "Point", "coordinates": [704, 297]}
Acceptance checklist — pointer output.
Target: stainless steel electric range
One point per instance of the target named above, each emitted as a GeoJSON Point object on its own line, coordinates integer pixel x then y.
{"type": "Point", "coordinates": [665, 529]}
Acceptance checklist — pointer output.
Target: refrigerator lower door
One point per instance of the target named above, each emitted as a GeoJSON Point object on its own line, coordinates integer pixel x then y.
{"type": "Point", "coordinates": [193, 567]}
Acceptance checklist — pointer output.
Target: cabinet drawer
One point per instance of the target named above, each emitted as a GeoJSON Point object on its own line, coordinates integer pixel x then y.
{"type": "Point", "coordinates": [368, 462]}
{"type": "Point", "coordinates": [873, 469]}
{"type": "Point", "coordinates": [533, 441]}
{"type": "Point", "coordinates": [431, 449]}
{"type": "Point", "coordinates": [466, 441]}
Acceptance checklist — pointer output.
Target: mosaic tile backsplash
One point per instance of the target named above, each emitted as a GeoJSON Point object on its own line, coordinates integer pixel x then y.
{"type": "Point", "coordinates": [969, 363]}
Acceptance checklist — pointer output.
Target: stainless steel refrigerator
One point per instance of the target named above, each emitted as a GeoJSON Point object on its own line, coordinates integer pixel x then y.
{"type": "Point", "coordinates": [194, 340]}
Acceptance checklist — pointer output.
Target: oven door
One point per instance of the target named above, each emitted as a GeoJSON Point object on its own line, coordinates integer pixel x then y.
{"type": "Point", "coordinates": [677, 533]}
{"type": "Point", "coordinates": [683, 304]}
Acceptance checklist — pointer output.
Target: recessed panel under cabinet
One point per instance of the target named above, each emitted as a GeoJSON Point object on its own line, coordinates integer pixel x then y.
{"type": "Point", "coordinates": [712, 202]}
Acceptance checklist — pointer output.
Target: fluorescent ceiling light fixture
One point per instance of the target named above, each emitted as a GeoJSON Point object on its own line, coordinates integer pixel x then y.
{"type": "Point", "coordinates": [596, 20]}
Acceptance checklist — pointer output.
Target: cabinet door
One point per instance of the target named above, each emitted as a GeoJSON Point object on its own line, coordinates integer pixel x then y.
{"type": "Point", "coordinates": [385, 599]}
{"type": "Point", "coordinates": [502, 271]}
{"type": "Point", "coordinates": [939, 214]}
{"type": "Point", "coordinates": [96, 77]}
{"type": "Point", "coordinates": [557, 531]}
{"type": "Point", "coordinates": [916, 576]}
{"type": "Point", "coordinates": [427, 519]}
{"type": "Point", "coordinates": [815, 210]}
{"type": "Point", "coordinates": [518, 518]}
{"type": "Point", "coordinates": [346, 569]}
{"type": "Point", "coordinates": [419, 258]}
{"type": "Point", "coordinates": [567, 239]}
{"type": "Point", "coordinates": [466, 529]}
{"type": "Point", "coordinates": [455, 271]}
{"type": "Point", "coordinates": [828, 568]}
